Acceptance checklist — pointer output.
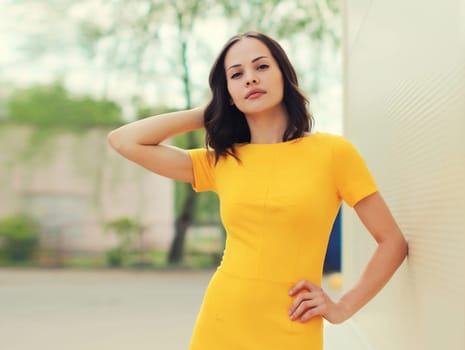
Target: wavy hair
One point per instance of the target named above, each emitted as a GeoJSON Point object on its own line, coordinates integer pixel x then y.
{"type": "Point", "coordinates": [226, 125]}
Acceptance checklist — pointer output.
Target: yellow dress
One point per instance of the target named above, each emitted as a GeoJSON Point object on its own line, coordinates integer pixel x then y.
{"type": "Point", "coordinates": [277, 205]}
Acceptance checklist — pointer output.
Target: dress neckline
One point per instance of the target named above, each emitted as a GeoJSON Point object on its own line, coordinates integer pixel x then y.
{"type": "Point", "coordinates": [277, 144]}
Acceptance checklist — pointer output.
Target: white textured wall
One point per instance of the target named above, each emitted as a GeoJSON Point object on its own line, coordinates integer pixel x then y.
{"type": "Point", "coordinates": [404, 108]}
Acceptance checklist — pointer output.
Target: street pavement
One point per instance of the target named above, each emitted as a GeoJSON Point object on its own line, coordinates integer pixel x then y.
{"type": "Point", "coordinates": [113, 310]}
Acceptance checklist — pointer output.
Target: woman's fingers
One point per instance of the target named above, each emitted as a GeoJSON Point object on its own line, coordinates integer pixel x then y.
{"type": "Point", "coordinates": [318, 310]}
{"type": "Point", "coordinates": [303, 297]}
{"type": "Point", "coordinates": [303, 285]}
{"type": "Point", "coordinates": [310, 301]}
{"type": "Point", "coordinates": [305, 302]}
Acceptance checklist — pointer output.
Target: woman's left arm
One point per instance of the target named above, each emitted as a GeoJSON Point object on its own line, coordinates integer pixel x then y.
{"type": "Point", "coordinates": [391, 251]}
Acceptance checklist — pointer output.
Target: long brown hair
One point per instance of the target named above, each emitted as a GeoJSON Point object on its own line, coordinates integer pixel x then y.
{"type": "Point", "coordinates": [226, 125]}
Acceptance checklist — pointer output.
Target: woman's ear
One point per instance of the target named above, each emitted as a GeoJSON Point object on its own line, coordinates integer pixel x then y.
{"type": "Point", "coordinates": [231, 102]}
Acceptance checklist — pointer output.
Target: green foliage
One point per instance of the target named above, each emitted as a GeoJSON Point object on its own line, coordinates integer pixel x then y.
{"type": "Point", "coordinates": [144, 111]}
{"type": "Point", "coordinates": [115, 257]}
{"type": "Point", "coordinates": [19, 235]}
{"type": "Point", "coordinates": [334, 6]}
{"type": "Point", "coordinates": [51, 107]}
{"type": "Point", "coordinates": [285, 19]}
{"type": "Point", "coordinates": [125, 230]}
{"type": "Point", "coordinates": [155, 259]}
{"type": "Point", "coordinates": [50, 110]}
{"type": "Point", "coordinates": [89, 34]}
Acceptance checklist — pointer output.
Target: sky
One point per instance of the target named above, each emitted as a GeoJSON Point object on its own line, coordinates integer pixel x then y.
{"type": "Point", "coordinates": [17, 22]}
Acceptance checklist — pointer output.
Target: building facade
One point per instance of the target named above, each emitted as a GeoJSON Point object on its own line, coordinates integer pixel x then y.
{"type": "Point", "coordinates": [74, 183]}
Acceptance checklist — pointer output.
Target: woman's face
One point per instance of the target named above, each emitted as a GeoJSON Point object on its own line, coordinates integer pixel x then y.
{"type": "Point", "coordinates": [254, 80]}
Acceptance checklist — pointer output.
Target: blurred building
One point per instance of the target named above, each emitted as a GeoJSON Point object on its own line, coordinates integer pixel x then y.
{"type": "Point", "coordinates": [404, 80]}
{"type": "Point", "coordinates": [74, 183]}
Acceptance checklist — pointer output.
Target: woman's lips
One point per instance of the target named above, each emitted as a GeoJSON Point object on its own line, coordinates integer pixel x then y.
{"type": "Point", "coordinates": [253, 94]}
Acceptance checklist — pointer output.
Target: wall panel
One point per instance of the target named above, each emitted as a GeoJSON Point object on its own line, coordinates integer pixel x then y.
{"type": "Point", "coordinates": [404, 108]}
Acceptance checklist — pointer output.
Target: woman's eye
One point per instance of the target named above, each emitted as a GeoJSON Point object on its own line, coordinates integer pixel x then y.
{"type": "Point", "coordinates": [235, 75]}
{"type": "Point", "coordinates": [262, 66]}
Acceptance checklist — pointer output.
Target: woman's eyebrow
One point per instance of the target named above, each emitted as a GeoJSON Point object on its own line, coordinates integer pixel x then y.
{"type": "Point", "coordinates": [254, 60]}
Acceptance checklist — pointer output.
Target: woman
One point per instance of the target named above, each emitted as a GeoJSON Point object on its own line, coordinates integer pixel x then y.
{"type": "Point", "coordinates": [280, 188]}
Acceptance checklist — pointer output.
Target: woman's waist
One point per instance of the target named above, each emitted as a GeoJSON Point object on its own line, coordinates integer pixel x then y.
{"type": "Point", "coordinates": [269, 269]}
{"type": "Point", "coordinates": [249, 290]}
{"type": "Point", "coordinates": [255, 276]}
{"type": "Point", "coordinates": [233, 298]}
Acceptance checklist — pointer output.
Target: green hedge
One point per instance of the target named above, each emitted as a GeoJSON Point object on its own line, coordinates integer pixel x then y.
{"type": "Point", "coordinates": [19, 237]}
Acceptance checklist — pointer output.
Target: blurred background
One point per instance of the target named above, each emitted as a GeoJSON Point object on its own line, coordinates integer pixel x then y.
{"type": "Point", "coordinates": [97, 253]}
{"type": "Point", "coordinates": [72, 71]}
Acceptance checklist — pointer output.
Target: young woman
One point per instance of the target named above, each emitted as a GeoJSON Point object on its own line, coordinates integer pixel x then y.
{"type": "Point", "coordinates": [280, 188]}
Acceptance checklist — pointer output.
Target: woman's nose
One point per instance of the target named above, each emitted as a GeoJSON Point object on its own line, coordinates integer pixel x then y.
{"type": "Point", "coordinates": [250, 78]}
{"type": "Point", "coordinates": [253, 81]}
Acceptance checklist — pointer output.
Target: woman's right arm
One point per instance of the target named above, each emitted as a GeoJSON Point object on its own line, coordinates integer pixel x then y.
{"type": "Point", "coordinates": [140, 142]}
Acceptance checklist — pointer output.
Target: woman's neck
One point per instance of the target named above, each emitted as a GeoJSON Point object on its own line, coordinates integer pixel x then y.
{"type": "Point", "coordinates": [267, 127]}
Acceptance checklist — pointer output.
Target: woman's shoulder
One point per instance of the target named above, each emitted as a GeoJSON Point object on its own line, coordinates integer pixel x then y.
{"type": "Point", "coordinates": [327, 137]}
{"type": "Point", "coordinates": [332, 143]}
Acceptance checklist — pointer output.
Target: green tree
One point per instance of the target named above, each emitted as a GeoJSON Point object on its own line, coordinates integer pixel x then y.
{"type": "Point", "coordinates": [51, 106]}
{"type": "Point", "coordinates": [186, 14]}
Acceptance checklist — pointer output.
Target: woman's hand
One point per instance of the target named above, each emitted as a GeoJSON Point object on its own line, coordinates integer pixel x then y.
{"type": "Point", "coordinates": [311, 301]}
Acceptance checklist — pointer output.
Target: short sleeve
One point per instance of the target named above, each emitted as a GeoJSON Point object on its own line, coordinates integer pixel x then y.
{"type": "Point", "coordinates": [352, 177]}
{"type": "Point", "coordinates": [203, 165]}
